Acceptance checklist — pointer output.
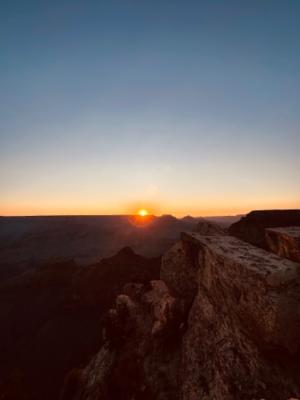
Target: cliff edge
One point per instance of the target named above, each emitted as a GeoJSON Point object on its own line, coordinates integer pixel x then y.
{"type": "Point", "coordinates": [222, 323]}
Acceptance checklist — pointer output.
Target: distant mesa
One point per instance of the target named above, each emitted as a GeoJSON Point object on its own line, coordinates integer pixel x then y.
{"type": "Point", "coordinates": [188, 218]}
{"type": "Point", "coordinates": [126, 252]}
{"type": "Point", "coordinates": [251, 228]}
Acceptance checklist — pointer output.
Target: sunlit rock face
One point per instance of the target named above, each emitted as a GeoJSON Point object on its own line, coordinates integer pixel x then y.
{"type": "Point", "coordinates": [251, 228]}
{"type": "Point", "coordinates": [223, 323]}
{"type": "Point", "coordinates": [284, 242]}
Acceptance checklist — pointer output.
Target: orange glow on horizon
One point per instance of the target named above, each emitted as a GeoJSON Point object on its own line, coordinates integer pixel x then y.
{"type": "Point", "coordinates": [141, 219]}
{"type": "Point", "coordinates": [143, 210]}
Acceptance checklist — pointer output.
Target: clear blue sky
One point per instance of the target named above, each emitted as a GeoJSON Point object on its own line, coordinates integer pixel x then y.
{"type": "Point", "coordinates": [187, 107]}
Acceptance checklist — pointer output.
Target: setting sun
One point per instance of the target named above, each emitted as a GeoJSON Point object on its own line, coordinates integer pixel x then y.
{"type": "Point", "coordinates": [143, 213]}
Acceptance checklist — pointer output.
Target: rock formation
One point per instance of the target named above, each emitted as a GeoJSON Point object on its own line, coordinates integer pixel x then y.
{"type": "Point", "coordinates": [251, 228]}
{"type": "Point", "coordinates": [236, 337]}
{"type": "Point", "coordinates": [284, 241]}
{"type": "Point", "coordinates": [141, 355]}
{"type": "Point", "coordinates": [223, 323]}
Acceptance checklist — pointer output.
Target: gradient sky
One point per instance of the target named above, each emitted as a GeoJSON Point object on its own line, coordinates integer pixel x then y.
{"type": "Point", "coordinates": [184, 107]}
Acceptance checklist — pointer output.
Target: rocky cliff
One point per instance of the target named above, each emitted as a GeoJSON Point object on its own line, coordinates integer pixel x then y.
{"type": "Point", "coordinates": [251, 228]}
{"type": "Point", "coordinates": [222, 323]}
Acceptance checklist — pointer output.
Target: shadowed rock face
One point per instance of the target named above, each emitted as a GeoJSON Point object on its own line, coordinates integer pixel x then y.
{"type": "Point", "coordinates": [284, 242]}
{"type": "Point", "coordinates": [141, 356]}
{"type": "Point", "coordinates": [209, 228]}
{"type": "Point", "coordinates": [224, 325]}
{"type": "Point", "coordinates": [98, 285]}
{"type": "Point", "coordinates": [251, 228]}
{"type": "Point", "coordinates": [51, 320]}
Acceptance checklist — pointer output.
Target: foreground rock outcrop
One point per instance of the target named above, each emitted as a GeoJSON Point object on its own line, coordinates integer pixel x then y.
{"type": "Point", "coordinates": [237, 345]}
{"type": "Point", "coordinates": [223, 323]}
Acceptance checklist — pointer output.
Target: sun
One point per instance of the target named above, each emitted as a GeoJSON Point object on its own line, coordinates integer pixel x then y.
{"type": "Point", "coordinates": [142, 212]}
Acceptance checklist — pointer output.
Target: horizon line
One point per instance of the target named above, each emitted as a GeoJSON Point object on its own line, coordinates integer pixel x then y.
{"type": "Point", "coordinates": [119, 215]}
{"type": "Point", "coordinates": [150, 215]}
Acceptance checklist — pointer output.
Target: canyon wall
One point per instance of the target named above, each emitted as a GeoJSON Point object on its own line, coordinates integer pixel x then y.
{"type": "Point", "coordinates": [222, 323]}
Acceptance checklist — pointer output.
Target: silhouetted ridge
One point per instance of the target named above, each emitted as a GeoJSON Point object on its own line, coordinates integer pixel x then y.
{"type": "Point", "coordinates": [126, 252]}
{"type": "Point", "coordinates": [27, 242]}
{"type": "Point", "coordinates": [188, 218]}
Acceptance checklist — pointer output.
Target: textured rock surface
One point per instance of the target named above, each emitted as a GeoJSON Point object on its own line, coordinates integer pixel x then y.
{"type": "Point", "coordinates": [140, 358]}
{"type": "Point", "coordinates": [251, 228]}
{"type": "Point", "coordinates": [179, 270]}
{"type": "Point", "coordinates": [237, 334]}
{"type": "Point", "coordinates": [224, 325]}
{"type": "Point", "coordinates": [284, 242]}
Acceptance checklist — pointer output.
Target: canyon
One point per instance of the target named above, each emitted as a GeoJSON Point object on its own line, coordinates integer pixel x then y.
{"type": "Point", "coordinates": [222, 322]}
{"type": "Point", "coordinates": [27, 242]}
{"type": "Point", "coordinates": [216, 317]}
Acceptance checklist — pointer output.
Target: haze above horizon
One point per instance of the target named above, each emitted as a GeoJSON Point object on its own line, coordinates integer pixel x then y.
{"type": "Point", "coordinates": [177, 108]}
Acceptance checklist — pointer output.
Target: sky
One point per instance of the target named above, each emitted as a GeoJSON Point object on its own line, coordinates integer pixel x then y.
{"type": "Point", "coordinates": [182, 107]}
